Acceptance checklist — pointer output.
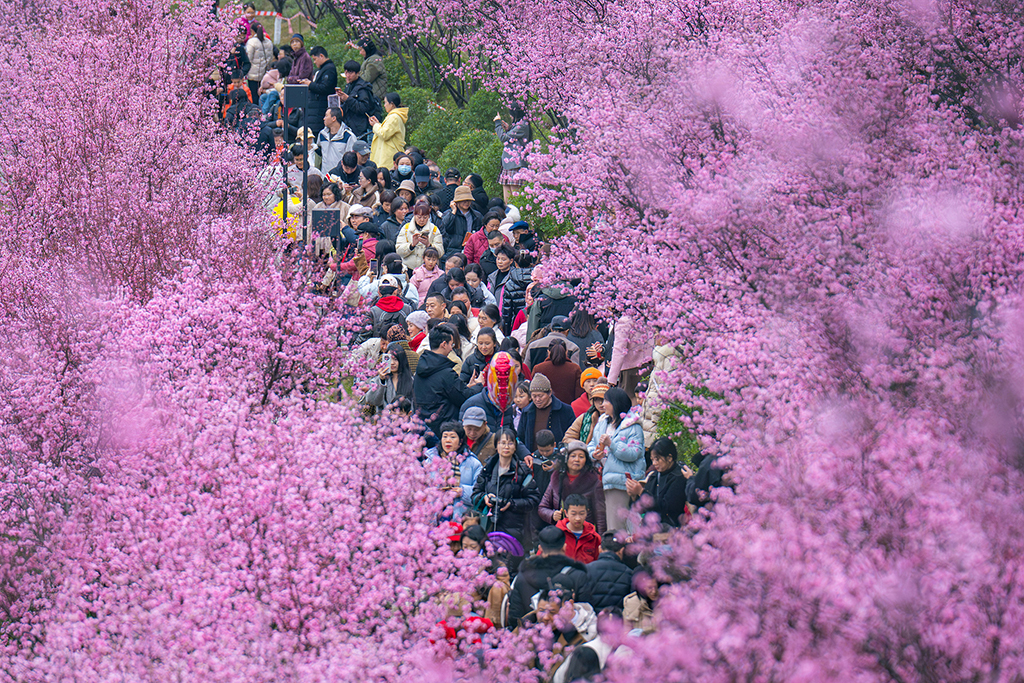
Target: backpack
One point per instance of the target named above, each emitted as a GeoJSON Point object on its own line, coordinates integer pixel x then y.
{"type": "Point", "coordinates": [383, 320]}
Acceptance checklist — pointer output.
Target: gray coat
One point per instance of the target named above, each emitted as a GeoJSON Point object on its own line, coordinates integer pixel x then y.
{"type": "Point", "coordinates": [515, 140]}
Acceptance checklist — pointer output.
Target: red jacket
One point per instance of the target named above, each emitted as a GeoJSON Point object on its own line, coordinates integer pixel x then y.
{"type": "Point", "coordinates": [584, 549]}
{"type": "Point", "coordinates": [476, 245]}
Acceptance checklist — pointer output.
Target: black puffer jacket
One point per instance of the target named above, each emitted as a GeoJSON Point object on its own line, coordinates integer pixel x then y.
{"type": "Point", "coordinates": [510, 290]}
{"type": "Point", "coordinates": [539, 573]}
{"type": "Point", "coordinates": [610, 581]}
{"type": "Point", "coordinates": [438, 391]}
{"type": "Point", "coordinates": [518, 486]}
{"type": "Point", "coordinates": [667, 495]}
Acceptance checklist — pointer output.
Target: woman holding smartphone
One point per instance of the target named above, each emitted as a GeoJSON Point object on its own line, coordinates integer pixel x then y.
{"type": "Point", "coordinates": [394, 379]}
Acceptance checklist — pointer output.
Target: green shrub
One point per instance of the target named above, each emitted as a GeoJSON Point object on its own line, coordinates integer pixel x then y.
{"type": "Point", "coordinates": [462, 153]}
{"type": "Point", "coordinates": [419, 101]}
{"type": "Point", "coordinates": [488, 165]}
{"type": "Point", "coordinates": [397, 78]}
{"type": "Point", "coordinates": [441, 127]}
{"type": "Point", "coordinates": [480, 110]}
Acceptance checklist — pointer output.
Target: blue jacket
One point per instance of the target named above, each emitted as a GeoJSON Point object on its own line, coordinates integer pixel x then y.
{"type": "Point", "coordinates": [626, 452]}
{"type": "Point", "coordinates": [469, 470]}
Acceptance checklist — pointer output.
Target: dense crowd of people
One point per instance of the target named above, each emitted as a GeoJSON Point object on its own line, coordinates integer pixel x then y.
{"type": "Point", "coordinates": [539, 412]}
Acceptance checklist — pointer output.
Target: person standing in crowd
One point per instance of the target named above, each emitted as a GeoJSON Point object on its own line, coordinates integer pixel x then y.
{"type": "Point", "coordinates": [323, 83]}
{"type": "Point", "coordinates": [537, 351]}
{"type": "Point", "coordinates": [416, 236]}
{"type": "Point", "coordinates": [478, 242]}
{"type": "Point", "coordinates": [506, 489]}
{"type": "Point", "coordinates": [373, 70]}
{"type": "Point", "coordinates": [508, 285]}
{"type": "Point", "coordinates": [464, 465]}
{"type": "Point", "coordinates": [588, 379]}
{"type": "Point", "coordinates": [425, 185]}
{"type": "Point", "coordinates": [268, 94]}
{"type": "Point", "coordinates": [302, 63]}
{"type": "Point", "coordinates": [366, 193]}
{"type": "Point", "coordinates": [515, 136]}
{"type": "Point", "coordinates": [497, 398]}
{"type": "Point", "coordinates": [563, 374]}
{"type": "Point", "coordinates": [403, 172]}
{"type": "Point", "coordinates": [488, 259]}
{"type": "Point", "coordinates": [584, 334]}
{"type": "Point", "coordinates": [485, 348]}
{"type": "Point", "coordinates": [424, 275]}
{"type": "Point", "coordinates": [552, 302]}
{"type": "Point", "coordinates": [417, 324]}
{"type": "Point", "coordinates": [582, 542]}
{"type": "Point", "coordinates": [238, 60]}
{"type": "Point", "coordinates": [610, 579]}
{"type": "Point", "coordinates": [362, 150]}
{"type": "Point", "coordinates": [394, 379]}
{"type": "Point", "coordinates": [574, 475]}
{"type": "Point", "coordinates": [618, 445]}
{"type": "Point", "coordinates": [452, 179]}
{"type": "Point", "coordinates": [438, 391]}
{"type": "Point", "coordinates": [537, 573]}
{"type": "Point", "coordinates": [476, 185]}
{"type": "Point", "coordinates": [389, 134]}
{"type": "Point", "coordinates": [479, 438]}
{"type": "Point", "coordinates": [334, 139]}
{"type": "Point", "coordinates": [544, 412]}
{"type": "Point", "coordinates": [260, 51]}
{"type": "Point", "coordinates": [583, 427]}
{"type": "Point", "coordinates": [356, 100]}
{"type": "Point", "coordinates": [664, 492]}
{"type": "Point", "coordinates": [460, 221]}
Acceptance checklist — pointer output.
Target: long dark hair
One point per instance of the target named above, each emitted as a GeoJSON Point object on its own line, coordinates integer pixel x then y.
{"type": "Point", "coordinates": [403, 376]}
{"type": "Point", "coordinates": [459, 322]}
{"type": "Point", "coordinates": [621, 404]}
{"type": "Point", "coordinates": [581, 323]}
{"type": "Point", "coordinates": [257, 28]}
{"type": "Point", "coordinates": [387, 178]}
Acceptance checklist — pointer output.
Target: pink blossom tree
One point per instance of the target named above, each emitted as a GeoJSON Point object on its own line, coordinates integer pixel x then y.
{"type": "Point", "coordinates": [825, 202]}
{"type": "Point", "coordinates": [183, 495]}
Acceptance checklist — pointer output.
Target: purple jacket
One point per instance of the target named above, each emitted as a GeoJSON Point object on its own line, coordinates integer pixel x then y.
{"type": "Point", "coordinates": [302, 67]}
{"type": "Point", "coordinates": [587, 484]}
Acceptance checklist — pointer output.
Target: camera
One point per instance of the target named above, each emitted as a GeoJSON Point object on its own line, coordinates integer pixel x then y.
{"type": "Point", "coordinates": [501, 502]}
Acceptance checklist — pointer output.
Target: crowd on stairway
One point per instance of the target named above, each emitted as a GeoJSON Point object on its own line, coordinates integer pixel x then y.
{"type": "Point", "coordinates": [545, 419]}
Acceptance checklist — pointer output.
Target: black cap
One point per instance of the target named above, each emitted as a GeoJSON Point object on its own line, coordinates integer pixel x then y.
{"type": "Point", "coordinates": [560, 323]}
{"type": "Point", "coordinates": [452, 174]}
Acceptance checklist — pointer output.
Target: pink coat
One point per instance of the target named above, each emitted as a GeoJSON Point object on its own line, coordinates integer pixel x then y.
{"type": "Point", "coordinates": [423, 278]}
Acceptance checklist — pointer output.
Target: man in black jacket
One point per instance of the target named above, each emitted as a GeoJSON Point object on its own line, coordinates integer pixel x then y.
{"type": "Point", "coordinates": [610, 579]}
{"type": "Point", "coordinates": [324, 83]}
{"type": "Point", "coordinates": [438, 391]}
{"type": "Point", "coordinates": [452, 180]}
{"type": "Point", "coordinates": [461, 221]}
{"type": "Point", "coordinates": [538, 574]}
{"type": "Point", "coordinates": [356, 100]}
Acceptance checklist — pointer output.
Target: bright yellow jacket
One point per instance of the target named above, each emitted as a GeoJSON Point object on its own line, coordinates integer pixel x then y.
{"type": "Point", "coordinates": [389, 137]}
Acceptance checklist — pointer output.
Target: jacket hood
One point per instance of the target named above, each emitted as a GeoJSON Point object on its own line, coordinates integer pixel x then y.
{"type": "Point", "coordinates": [431, 363]}
{"type": "Point", "coordinates": [401, 112]}
{"type": "Point", "coordinates": [550, 564]}
{"type": "Point", "coordinates": [556, 292]}
{"type": "Point", "coordinates": [391, 304]}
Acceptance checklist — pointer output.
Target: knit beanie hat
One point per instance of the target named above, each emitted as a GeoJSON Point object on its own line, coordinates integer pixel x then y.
{"type": "Point", "coordinates": [590, 373]}
{"type": "Point", "coordinates": [575, 446]}
{"type": "Point", "coordinates": [540, 383]}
